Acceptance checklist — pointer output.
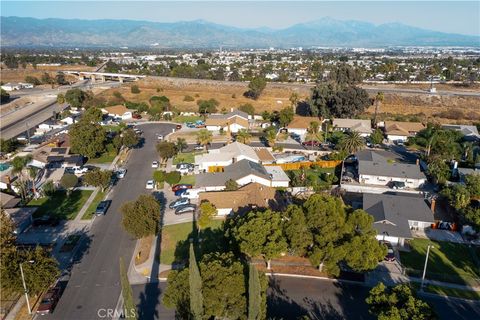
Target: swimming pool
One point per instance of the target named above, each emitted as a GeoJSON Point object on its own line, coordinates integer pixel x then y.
{"type": "Point", "coordinates": [4, 166]}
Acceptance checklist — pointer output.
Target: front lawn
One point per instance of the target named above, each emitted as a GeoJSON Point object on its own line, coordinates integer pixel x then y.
{"type": "Point", "coordinates": [106, 157]}
{"type": "Point", "coordinates": [190, 179]}
{"type": "Point", "coordinates": [61, 206]}
{"type": "Point", "coordinates": [91, 208]}
{"type": "Point", "coordinates": [448, 262]}
{"type": "Point", "coordinates": [187, 157]}
{"type": "Point", "coordinates": [175, 240]}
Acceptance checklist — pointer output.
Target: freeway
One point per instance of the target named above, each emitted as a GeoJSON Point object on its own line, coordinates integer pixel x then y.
{"type": "Point", "coordinates": [94, 285]}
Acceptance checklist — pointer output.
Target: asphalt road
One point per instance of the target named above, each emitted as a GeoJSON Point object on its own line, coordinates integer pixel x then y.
{"type": "Point", "coordinates": [94, 285]}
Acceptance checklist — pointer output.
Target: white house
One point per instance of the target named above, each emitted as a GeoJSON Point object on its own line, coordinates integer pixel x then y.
{"type": "Point", "coordinates": [300, 125]}
{"type": "Point", "coordinates": [225, 156]}
{"type": "Point", "coordinates": [233, 121]}
{"type": "Point", "coordinates": [278, 176]}
{"type": "Point", "coordinates": [118, 111]}
{"type": "Point", "coordinates": [363, 127]}
{"type": "Point", "coordinates": [400, 131]}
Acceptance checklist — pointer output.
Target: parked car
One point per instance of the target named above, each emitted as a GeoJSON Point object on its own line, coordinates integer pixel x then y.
{"type": "Point", "coordinates": [155, 164]}
{"type": "Point", "coordinates": [159, 137]}
{"type": "Point", "coordinates": [103, 207]}
{"type": "Point", "coordinates": [46, 221]}
{"type": "Point", "coordinates": [191, 193]}
{"type": "Point", "coordinates": [181, 186]}
{"type": "Point", "coordinates": [186, 209]}
{"type": "Point", "coordinates": [311, 143]}
{"type": "Point", "coordinates": [198, 147]}
{"type": "Point", "coordinates": [185, 168]}
{"type": "Point", "coordinates": [179, 202]}
{"type": "Point", "coordinates": [179, 192]}
{"type": "Point", "coordinates": [178, 127]}
{"type": "Point", "coordinates": [121, 173]}
{"type": "Point", "coordinates": [190, 125]}
{"type": "Point", "coordinates": [49, 301]}
{"type": "Point", "coordinates": [390, 253]}
{"type": "Point", "coordinates": [136, 116]}
{"type": "Point", "coordinates": [150, 184]}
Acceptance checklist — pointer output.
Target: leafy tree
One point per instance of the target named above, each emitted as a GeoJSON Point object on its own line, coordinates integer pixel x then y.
{"type": "Point", "coordinates": [243, 136]}
{"type": "Point", "coordinates": [129, 307]}
{"type": "Point", "coordinates": [177, 293]}
{"type": "Point", "coordinates": [286, 116]}
{"type": "Point", "coordinates": [195, 281]}
{"type": "Point", "coordinates": [33, 172]}
{"type": "Point", "coordinates": [134, 89]}
{"type": "Point", "coordinates": [141, 217]}
{"type": "Point", "coordinates": [346, 74]}
{"type": "Point", "coordinates": [296, 230]}
{"type": "Point", "coordinates": [231, 185]}
{"type": "Point", "coordinates": [41, 273]}
{"type": "Point", "coordinates": [87, 139]}
{"type": "Point", "coordinates": [60, 98]}
{"type": "Point", "coordinates": [271, 137]}
{"type": "Point", "coordinates": [4, 96]}
{"type": "Point", "coordinates": [76, 97]}
{"type": "Point", "coordinates": [47, 79]}
{"type": "Point", "coordinates": [129, 138]}
{"type": "Point", "coordinates": [399, 302]}
{"type": "Point", "coordinates": [207, 212]}
{"type": "Point", "coordinates": [92, 115]}
{"type": "Point", "coordinates": [439, 170]}
{"type": "Point", "coordinates": [457, 195]}
{"type": "Point", "coordinates": [8, 145]}
{"type": "Point", "coordinates": [339, 101]}
{"type": "Point", "coordinates": [247, 108]}
{"type": "Point", "coordinates": [60, 79]}
{"type": "Point", "coordinates": [472, 181]}
{"type": "Point", "coordinates": [33, 80]}
{"type": "Point", "coordinates": [204, 137]}
{"type": "Point", "coordinates": [254, 293]}
{"type": "Point", "coordinates": [260, 233]}
{"type": "Point", "coordinates": [256, 87]}
{"type": "Point", "coordinates": [159, 176]}
{"type": "Point", "coordinates": [68, 181]}
{"type": "Point", "coordinates": [207, 106]}
{"type": "Point", "coordinates": [166, 150]}
{"type": "Point", "coordinates": [48, 188]}
{"type": "Point", "coordinates": [181, 144]}
{"type": "Point", "coordinates": [471, 216]}
{"type": "Point", "coordinates": [364, 252]}
{"type": "Point", "coordinates": [8, 252]}
{"type": "Point", "coordinates": [98, 178]}
{"type": "Point", "coordinates": [172, 177]}
{"type": "Point", "coordinates": [352, 142]}
{"type": "Point", "coordinates": [376, 137]}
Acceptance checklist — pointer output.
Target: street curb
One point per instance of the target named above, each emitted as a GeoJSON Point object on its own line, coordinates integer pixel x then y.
{"type": "Point", "coordinates": [287, 275]}
{"type": "Point", "coordinates": [443, 296]}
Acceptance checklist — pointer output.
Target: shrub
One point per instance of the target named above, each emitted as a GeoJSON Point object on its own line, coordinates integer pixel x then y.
{"type": "Point", "coordinates": [188, 98]}
{"type": "Point", "coordinates": [173, 177]}
{"type": "Point", "coordinates": [159, 176]}
{"type": "Point", "coordinates": [134, 89]}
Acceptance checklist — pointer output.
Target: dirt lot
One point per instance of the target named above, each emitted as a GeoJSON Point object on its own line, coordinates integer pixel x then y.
{"type": "Point", "coordinates": [18, 75]}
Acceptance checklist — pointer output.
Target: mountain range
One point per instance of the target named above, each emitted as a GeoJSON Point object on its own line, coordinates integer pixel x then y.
{"type": "Point", "coordinates": [325, 32]}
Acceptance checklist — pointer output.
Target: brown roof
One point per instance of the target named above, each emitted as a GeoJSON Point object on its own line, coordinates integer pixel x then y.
{"type": "Point", "coordinates": [223, 122]}
{"type": "Point", "coordinates": [299, 122]}
{"type": "Point", "coordinates": [117, 110]}
{"type": "Point", "coordinates": [264, 155]}
{"type": "Point", "coordinates": [400, 128]}
{"type": "Point", "coordinates": [252, 194]}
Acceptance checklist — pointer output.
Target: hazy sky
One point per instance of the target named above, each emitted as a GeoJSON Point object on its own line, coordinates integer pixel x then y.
{"type": "Point", "coordinates": [447, 16]}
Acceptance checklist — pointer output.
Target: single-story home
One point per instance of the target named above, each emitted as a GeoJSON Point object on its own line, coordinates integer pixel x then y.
{"type": "Point", "coordinates": [401, 131]}
{"type": "Point", "coordinates": [8, 201]}
{"type": "Point", "coordinates": [242, 172]}
{"type": "Point", "coordinates": [300, 125]}
{"type": "Point", "coordinates": [118, 111]}
{"type": "Point", "coordinates": [395, 215]}
{"type": "Point", "coordinates": [379, 167]}
{"type": "Point", "coordinates": [233, 121]}
{"type": "Point", "coordinates": [470, 133]}
{"type": "Point", "coordinates": [54, 156]}
{"type": "Point", "coordinates": [250, 196]}
{"type": "Point", "coordinates": [278, 176]}
{"type": "Point", "coordinates": [21, 217]}
{"type": "Point", "coordinates": [363, 127]}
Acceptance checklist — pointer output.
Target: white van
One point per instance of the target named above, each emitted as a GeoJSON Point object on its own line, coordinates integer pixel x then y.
{"type": "Point", "coordinates": [191, 193]}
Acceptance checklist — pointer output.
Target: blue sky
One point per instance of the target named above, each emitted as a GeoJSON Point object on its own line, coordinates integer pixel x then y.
{"type": "Point", "coordinates": [447, 16]}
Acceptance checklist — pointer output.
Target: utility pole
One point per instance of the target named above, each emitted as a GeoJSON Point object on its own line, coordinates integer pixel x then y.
{"type": "Point", "coordinates": [425, 266]}
{"type": "Point", "coordinates": [25, 287]}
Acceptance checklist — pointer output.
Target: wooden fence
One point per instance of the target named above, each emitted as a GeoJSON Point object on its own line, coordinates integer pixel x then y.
{"type": "Point", "coordinates": [291, 166]}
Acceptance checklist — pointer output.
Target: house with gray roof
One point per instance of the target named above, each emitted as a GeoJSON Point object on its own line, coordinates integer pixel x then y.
{"type": "Point", "coordinates": [396, 215]}
{"type": "Point", "coordinates": [470, 133]}
{"type": "Point", "coordinates": [384, 169]}
{"type": "Point", "coordinates": [362, 126]}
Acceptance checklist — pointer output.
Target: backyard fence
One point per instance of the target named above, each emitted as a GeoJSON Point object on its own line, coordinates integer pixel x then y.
{"type": "Point", "coordinates": [306, 164]}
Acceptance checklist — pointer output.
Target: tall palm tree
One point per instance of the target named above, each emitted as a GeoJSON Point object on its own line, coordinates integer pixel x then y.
{"type": "Point", "coordinates": [352, 142]}
{"type": "Point", "coordinates": [243, 136]}
{"type": "Point", "coordinates": [33, 172]}
{"type": "Point", "coordinates": [378, 100]}
{"type": "Point", "coordinates": [204, 137]}
{"type": "Point", "coordinates": [181, 144]}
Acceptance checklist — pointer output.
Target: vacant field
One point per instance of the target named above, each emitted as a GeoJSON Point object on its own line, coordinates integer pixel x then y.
{"type": "Point", "coordinates": [18, 75]}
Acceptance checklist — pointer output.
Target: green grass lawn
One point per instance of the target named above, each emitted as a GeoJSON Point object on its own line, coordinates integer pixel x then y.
{"type": "Point", "coordinates": [106, 157]}
{"type": "Point", "coordinates": [175, 240]}
{"type": "Point", "coordinates": [61, 206]}
{"type": "Point", "coordinates": [112, 128]}
{"type": "Point", "coordinates": [190, 179]}
{"type": "Point", "coordinates": [448, 262]}
{"type": "Point", "coordinates": [464, 294]}
{"type": "Point", "coordinates": [188, 157]}
{"type": "Point", "coordinates": [91, 208]}
{"type": "Point", "coordinates": [183, 119]}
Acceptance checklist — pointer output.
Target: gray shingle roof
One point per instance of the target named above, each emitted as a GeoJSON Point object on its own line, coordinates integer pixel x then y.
{"type": "Point", "coordinates": [375, 164]}
{"type": "Point", "coordinates": [391, 212]}
{"type": "Point", "coordinates": [234, 171]}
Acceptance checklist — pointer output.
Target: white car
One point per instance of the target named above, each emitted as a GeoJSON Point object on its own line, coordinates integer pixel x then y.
{"type": "Point", "coordinates": [155, 164]}
{"type": "Point", "coordinates": [198, 147]}
{"type": "Point", "coordinates": [150, 184]}
{"type": "Point", "coordinates": [159, 137]}
{"type": "Point", "coordinates": [121, 173]}
{"type": "Point", "coordinates": [80, 170]}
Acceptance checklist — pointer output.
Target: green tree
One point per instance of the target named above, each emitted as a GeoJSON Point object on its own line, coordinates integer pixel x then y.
{"type": "Point", "coordinates": [4, 96]}
{"type": "Point", "coordinates": [47, 79]}
{"type": "Point", "coordinates": [33, 172]}
{"type": "Point", "coordinates": [231, 185]}
{"type": "Point", "coordinates": [472, 182]}
{"type": "Point", "coordinates": [254, 293]}
{"type": "Point", "coordinates": [20, 163]}
{"type": "Point", "coordinates": [207, 106]}
{"type": "Point", "coordinates": [92, 115]}
{"type": "Point", "coordinates": [8, 253]}
{"type": "Point", "coordinates": [141, 217]}
{"type": "Point", "coordinates": [98, 178]}
{"type": "Point", "coordinates": [177, 293]}
{"type": "Point", "coordinates": [260, 233]}
{"type": "Point", "coordinates": [8, 145]}
{"type": "Point", "coordinates": [243, 136]}
{"type": "Point", "coordinates": [60, 98]}
{"type": "Point", "coordinates": [33, 80]}
{"type": "Point", "coordinates": [68, 181]}
{"type": "Point", "coordinates": [87, 139]}
{"type": "Point", "coordinates": [286, 116]}
{"type": "Point", "coordinates": [129, 138]}
{"type": "Point", "coordinates": [296, 230]}
{"type": "Point", "coordinates": [129, 307]}
{"type": "Point", "coordinates": [399, 302]}
{"type": "Point", "coordinates": [207, 212]}
{"type": "Point", "coordinates": [271, 137]}
{"type": "Point", "coordinates": [76, 97]}
{"type": "Point", "coordinates": [134, 89]}
{"type": "Point", "coordinates": [41, 273]}
{"type": "Point", "coordinates": [457, 195]}
{"type": "Point", "coordinates": [181, 144]}
{"type": "Point", "coordinates": [338, 101]}
{"type": "Point", "coordinates": [195, 281]}
{"type": "Point", "coordinates": [247, 108]}
{"type": "Point", "coordinates": [471, 216]}
{"type": "Point", "coordinates": [172, 177]}
{"type": "Point", "coordinates": [204, 137]}
{"type": "Point", "coordinates": [60, 79]}
{"type": "Point", "coordinates": [439, 170]}
{"type": "Point", "coordinates": [256, 87]}
{"type": "Point", "coordinates": [48, 188]}
{"type": "Point", "coordinates": [166, 150]}
{"type": "Point", "coordinates": [159, 176]}
{"type": "Point", "coordinates": [376, 137]}
{"type": "Point", "coordinates": [352, 142]}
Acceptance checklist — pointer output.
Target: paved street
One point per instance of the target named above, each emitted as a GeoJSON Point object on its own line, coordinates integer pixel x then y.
{"type": "Point", "coordinates": [94, 284]}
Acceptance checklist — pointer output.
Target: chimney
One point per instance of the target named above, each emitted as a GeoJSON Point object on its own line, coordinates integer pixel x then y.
{"type": "Point", "coordinates": [432, 205]}
{"type": "Point", "coordinates": [418, 162]}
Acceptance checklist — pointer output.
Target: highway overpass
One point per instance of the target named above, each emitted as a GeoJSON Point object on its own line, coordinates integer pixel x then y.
{"type": "Point", "coordinates": [104, 76]}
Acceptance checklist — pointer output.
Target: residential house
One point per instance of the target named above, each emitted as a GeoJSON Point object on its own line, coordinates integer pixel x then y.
{"type": "Point", "coordinates": [396, 215]}
{"type": "Point", "coordinates": [470, 133]}
{"type": "Point", "coordinates": [363, 127]}
{"type": "Point", "coordinates": [401, 131]}
{"type": "Point", "coordinates": [8, 201]}
{"type": "Point", "coordinates": [379, 167]}
{"type": "Point", "coordinates": [278, 176]}
{"type": "Point", "coordinates": [300, 125]}
{"type": "Point", "coordinates": [54, 157]}
{"type": "Point", "coordinates": [250, 196]}
{"type": "Point", "coordinates": [242, 172]}
{"type": "Point", "coordinates": [233, 121]}
{"type": "Point", "coordinates": [22, 217]}
{"type": "Point", "coordinates": [118, 111]}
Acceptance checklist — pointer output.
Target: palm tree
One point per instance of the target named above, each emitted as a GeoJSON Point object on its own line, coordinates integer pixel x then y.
{"type": "Point", "coordinates": [181, 144]}
{"type": "Point", "coordinates": [271, 137]}
{"type": "Point", "coordinates": [328, 127]}
{"type": "Point", "coordinates": [243, 136]}
{"type": "Point", "coordinates": [352, 142]}
{"type": "Point", "coordinates": [33, 172]}
{"type": "Point", "coordinates": [378, 100]}
{"type": "Point", "coordinates": [204, 137]}
{"type": "Point", "coordinates": [313, 129]}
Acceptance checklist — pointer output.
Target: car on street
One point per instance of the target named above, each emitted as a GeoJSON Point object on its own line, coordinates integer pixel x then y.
{"type": "Point", "coordinates": [121, 173]}
{"type": "Point", "coordinates": [46, 221]}
{"type": "Point", "coordinates": [155, 164]}
{"type": "Point", "coordinates": [198, 147]}
{"type": "Point", "coordinates": [178, 127]}
{"type": "Point", "coordinates": [310, 143]}
{"type": "Point", "coordinates": [179, 202]}
{"type": "Point", "coordinates": [186, 209]}
{"type": "Point", "coordinates": [103, 207]}
{"type": "Point", "coordinates": [390, 253]}
{"type": "Point", "coordinates": [159, 137]}
{"type": "Point", "coordinates": [180, 192]}
{"type": "Point", "coordinates": [49, 301]}
{"type": "Point", "coordinates": [136, 116]}
{"type": "Point", "coordinates": [181, 186]}
{"type": "Point", "coordinates": [150, 184]}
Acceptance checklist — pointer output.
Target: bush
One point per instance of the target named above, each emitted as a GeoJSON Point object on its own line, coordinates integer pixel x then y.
{"type": "Point", "coordinates": [188, 98]}
{"type": "Point", "coordinates": [48, 188]}
{"type": "Point", "coordinates": [159, 176]}
{"type": "Point", "coordinates": [134, 89]}
{"type": "Point", "coordinates": [68, 181]}
{"type": "Point", "coordinates": [173, 177]}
